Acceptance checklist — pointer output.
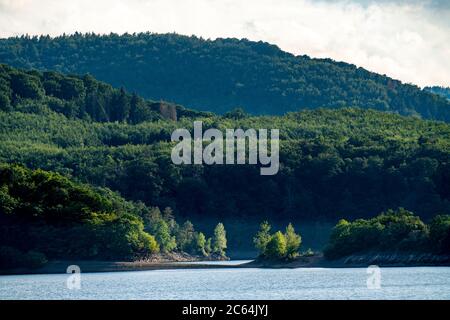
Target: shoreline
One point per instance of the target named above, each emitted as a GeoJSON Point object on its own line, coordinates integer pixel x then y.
{"type": "Point", "coordinates": [316, 261]}
{"type": "Point", "coordinates": [60, 267]}
{"type": "Point", "coordinates": [359, 261]}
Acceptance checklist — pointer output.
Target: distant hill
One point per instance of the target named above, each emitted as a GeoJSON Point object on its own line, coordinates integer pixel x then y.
{"type": "Point", "coordinates": [442, 91]}
{"type": "Point", "coordinates": [221, 74]}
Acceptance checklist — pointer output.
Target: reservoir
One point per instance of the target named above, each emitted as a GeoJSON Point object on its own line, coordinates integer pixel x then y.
{"type": "Point", "coordinates": [235, 283]}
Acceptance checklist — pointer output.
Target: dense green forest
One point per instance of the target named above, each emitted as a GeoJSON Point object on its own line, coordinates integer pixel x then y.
{"type": "Point", "coordinates": [392, 231]}
{"type": "Point", "coordinates": [220, 75]}
{"type": "Point", "coordinates": [79, 97]}
{"type": "Point", "coordinates": [44, 215]}
{"type": "Point", "coordinates": [442, 91]}
{"type": "Point", "coordinates": [333, 163]}
{"type": "Point", "coordinates": [70, 176]}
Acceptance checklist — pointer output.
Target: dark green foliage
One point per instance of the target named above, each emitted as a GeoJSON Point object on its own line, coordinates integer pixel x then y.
{"type": "Point", "coordinates": [25, 85]}
{"type": "Point", "coordinates": [218, 75]}
{"type": "Point", "coordinates": [46, 212]}
{"type": "Point", "coordinates": [442, 91]}
{"type": "Point", "coordinates": [171, 236]}
{"type": "Point", "coordinates": [293, 241]}
{"type": "Point", "coordinates": [13, 258]}
{"type": "Point", "coordinates": [77, 97]}
{"type": "Point", "coordinates": [334, 163]}
{"type": "Point", "coordinates": [162, 234]}
{"type": "Point", "coordinates": [5, 102]}
{"type": "Point", "coordinates": [162, 227]}
{"type": "Point", "coordinates": [391, 231]}
{"type": "Point", "coordinates": [186, 236]}
{"type": "Point", "coordinates": [440, 233]}
{"type": "Point", "coordinates": [236, 114]}
{"type": "Point", "coordinates": [44, 196]}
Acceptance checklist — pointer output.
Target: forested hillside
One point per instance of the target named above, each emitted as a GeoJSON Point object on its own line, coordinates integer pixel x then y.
{"type": "Point", "coordinates": [442, 91]}
{"type": "Point", "coordinates": [91, 138]}
{"type": "Point", "coordinates": [79, 97]}
{"type": "Point", "coordinates": [44, 215]}
{"type": "Point", "coordinates": [48, 213]}
{"type": "Point", "coordinates": [343, 163]}
{"type": "Point", "coordinates": [221, 74]}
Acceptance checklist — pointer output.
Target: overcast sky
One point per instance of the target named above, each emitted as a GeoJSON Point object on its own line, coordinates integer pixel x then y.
{"type": "Point", "coordinates": [407, 40]}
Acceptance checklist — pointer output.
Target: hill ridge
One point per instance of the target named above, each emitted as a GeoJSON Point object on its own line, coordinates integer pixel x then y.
{"type": "Point", "coordinates": [221, 74]}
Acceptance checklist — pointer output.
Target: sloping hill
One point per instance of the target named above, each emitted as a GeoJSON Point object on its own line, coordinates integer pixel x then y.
{"type": "Point", "coordinates": [79, 97]}
{"type": "Point", "coordinates": [221, 74]}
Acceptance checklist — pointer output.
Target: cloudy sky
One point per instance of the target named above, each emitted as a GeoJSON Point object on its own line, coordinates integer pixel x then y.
{"type": "Point", "coordinates": [407, 40]}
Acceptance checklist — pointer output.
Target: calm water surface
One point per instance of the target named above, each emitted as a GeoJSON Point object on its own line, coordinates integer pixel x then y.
{"type": "Point", "coordinates": [229, 283]}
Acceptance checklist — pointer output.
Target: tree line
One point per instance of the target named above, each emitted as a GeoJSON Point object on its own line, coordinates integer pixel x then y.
{"type": "Point", "coordinates": [218, 75]}
{"type": "Point", "coordinates": [277, 245]}
{"type": "Point", "coordinates": [392, 231]}
{"type": "Point", "coordinates": [80, 97]}
{"type": "Point", "coordinates": [44, 215]}
{"type": "Point", "coordinates": [333, 163]}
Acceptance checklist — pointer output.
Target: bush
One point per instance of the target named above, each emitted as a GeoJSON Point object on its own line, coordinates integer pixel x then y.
{"type": "Point", "coordinates": [392, 230]}
{"type": "Point", "coordinates": [276, 247]}
{"type": "Point", "coordinates": [26, 85]}
{"type": "Point", "coordinates": [5, 102]}
{"type": "Point", "coordinates": [162, 234]}
{"type": "Point", "coordinates": [293, 241]}
{"type": "Point", "coordinates": [49, 214]}
{"type": "Point", "coordinates": [401, 229]}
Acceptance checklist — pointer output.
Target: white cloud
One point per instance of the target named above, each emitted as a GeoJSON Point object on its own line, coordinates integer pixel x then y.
{"type": "Point", "coordinates": [407, 40]}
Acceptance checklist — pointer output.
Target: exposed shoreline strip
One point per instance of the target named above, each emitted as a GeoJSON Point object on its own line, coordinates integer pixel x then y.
{"type": "Point", "coordinates": [317, 261]}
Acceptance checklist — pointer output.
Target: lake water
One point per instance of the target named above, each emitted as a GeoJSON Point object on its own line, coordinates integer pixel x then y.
{"type": "Point", "coordinates": [229, 283]}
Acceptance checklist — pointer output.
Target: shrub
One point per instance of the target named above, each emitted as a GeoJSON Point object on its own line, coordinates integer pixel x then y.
{"type": "Point", "coordinates": [276, 247]}
{"type": "Point", "coordinates": [391, 230]}
{"type": "Point", "coordinates": [293, 241]}
{"type": "Point", "coordinates": [262, 238]}
{"type": "Point", "coordinates": [219, 240]}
